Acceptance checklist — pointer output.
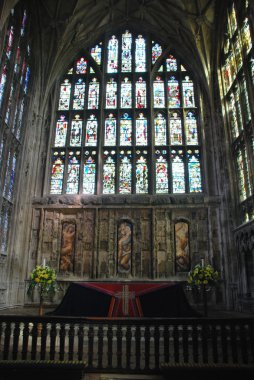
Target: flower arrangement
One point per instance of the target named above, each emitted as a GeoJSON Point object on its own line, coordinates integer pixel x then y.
{"type": "Point", "coordinates": [44, 278]}
{"type": "Point", "coordinates": [203, 275]}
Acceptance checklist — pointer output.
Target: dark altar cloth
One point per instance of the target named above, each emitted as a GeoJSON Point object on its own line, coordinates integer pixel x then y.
{"type": "Point", "coordinates": [162, 300]}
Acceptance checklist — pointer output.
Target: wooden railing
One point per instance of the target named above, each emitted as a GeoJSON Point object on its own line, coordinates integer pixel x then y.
{"type": "Point", "coordinates": [127, 345]}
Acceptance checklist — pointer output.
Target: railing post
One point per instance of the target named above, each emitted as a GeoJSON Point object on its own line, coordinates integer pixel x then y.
{"type": "Point", "coordinates": [16, 333]}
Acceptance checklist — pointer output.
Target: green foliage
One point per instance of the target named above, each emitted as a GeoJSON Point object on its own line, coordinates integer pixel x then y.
{"type": "Point", "coordinates": [203, 275]}
{"type": "Point", "coordinates": [44, 278]}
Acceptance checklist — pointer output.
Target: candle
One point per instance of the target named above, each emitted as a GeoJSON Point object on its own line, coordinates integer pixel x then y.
{"type": "Point", "coordinates": [44, 263]}
{"type": "Point", "coordinates": [202, 263]}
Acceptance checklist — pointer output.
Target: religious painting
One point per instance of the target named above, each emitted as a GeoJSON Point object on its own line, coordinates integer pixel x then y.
{"type": "Point", "coordinates": [182, 248]}
{"type": "Point", "coordinates": [124, 244]}
{"type": "Point", "coordinates": [67, 252]}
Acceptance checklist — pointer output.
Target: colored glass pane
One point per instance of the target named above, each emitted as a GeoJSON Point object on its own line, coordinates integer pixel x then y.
{"type": "Point", "coordinates": [160, 130]}
{"type": "Point", "coordinates": [233, 22]}
{"type": "Point", "coordinates": [251, 70]}
{"type": "Point", "coordinates": [141, 130]}
{"type": "Point", "coordinates": [70, 71]}
{"type": "Point", "coordinates": [246, 172]}
{"type": "Point", "coordinates": [2, 83]}
{"type": "Point", "coordinates": [141, 175]}
{"type": "Point", "coordinates": [191, 131]}
{"type": "Point", "coordinates": [246, 37]}
{"type": "Point", "coordinates": [76, 131]}
{"type": "Point", "coordinates": [19, 118]}
{"type": "Point", "coordinates": [238, 53]}
{"type": "Point", "coordinates": [73, 173]}
{"type": "Point", "coordinates": [178, 180]}
{"type": "Point", "coordinates": [125, 173]}
{"type": "Point", "coordinates": [96, 53]}
{"type": "Point", "coordinates": [23, 24]}
{"type": "Point", "coordinates": [27, 76]}
{"type": "Point", "coordinates": [125, 130]}
{"type": "Point", "coordinates": [9, 45]}
{"type": "Point", "coordinates": [158, 93]}
{"type": "Point", "coordinates": [81, 66]}
{"type": "Point", "coordinates": [175, 128]}
{"type": "Point", "coordinates": [238, 109]}
{"type": "Point", "coordinates": [140, 54]}
{"type": "Point", "coordinates": [17, 61]}
{"type": "Point", "coordinates": [8, 110]}
{"type": "Point", "coordinates": [57, 173]}
{"type": "Point", "coordinates": [91, 131]}
{"type": "Point", "coordinates": [112, 66]}
{"type": "Point", "coordinates": [188, 93]}
{"type": "Point", "coordinates": [241, 181]}
{"type": "Point", "coordinates": [126, 52]}
{"type": "Point", "coordinates": [109, 173]}
{"type": "Point", "coordinates": [89, 174]}
{"type": "Point", "coordinates": [12, 177]}
{"type": "Point", "coordinates": [226, 73]}
{"type": "Point", "coordinates": [182, 68]}
{"type": "Point", "coordinates": [161, 168]}
{"type": "Point", "coordinates": [65, 92]}
{"type": "Point", "coordinates": [173, 93]}
{"type": "Point", "coordinates": [233, 118]}
{"type": "Point", "coordinates": [111, 94]}
{"type": "Point", "coordinates": [140, 93]}
{"type": "Point", "coordinates": [110, 131]}
{"type": "Point", "coordinates": [126, 93]}
{"type": "Point", "coordinates": [5, 218]}
{"type": "Point", "coordinates": [245, 98]}
{"type": "Point", "coordinates": [156, 52]}
{"type": "Point", "coordinates": [93, 94]}
{"type": "Point", "coordinates": [61, 131]}
{"type": "Point", "coordinates": [194, 174]}
{"type": "Point", "coordinates": [79, 95]}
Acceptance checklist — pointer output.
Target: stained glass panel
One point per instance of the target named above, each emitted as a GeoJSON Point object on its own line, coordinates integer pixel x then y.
{"type": "Point", "coordinates": [246, 172]}
{"type": "Point", "coordinates": [173, 93]}
{"type": "Point", "coordinates": [79, 95]}
{"type": "Point", "coordinates": [238, 110]}
{"type": "Point", "coordinates": [233, 22]}
{"type": "Point", "coordinates": [233, 118]}
{"type": "Point", "coordinates": [141, 130]}
{"type": "Point", "coordinates": [195, 185]}
{"type": "Point", "coordinates": [126, 93]}
{"type": "Point", "coordinates": [191, 131]}
{"type": "Point", "coordinates": [9, 46]}
{"type": "Point", "coordinates": [57, 173]}
{"type": "Point", "coordinates": [161, 169]}
{"type": "Point", "coordinates": [159, 93]}
{"type": "Point", "coordinates": [141, 173]}
{"type": "Point", "coordinates": [125, 130]}
{"type": "Point", "coordinates": [93, 94]}
{"type": "Point", "coordinates": [110, 130]}
{"type": "Point", "coordinates": [140, 54]}
{"type": "Point", "coordinates": [81, 66]}
{"type": "Point", "coordinates": [65, 92]}
{"type": "Point", "coordinates": [188, 93]}
{"type": "Point", "coordinates": [125, 173]}
{"type": "Point", "coordinates": [156, 52]}
{"type": "Point", "coordinates": [175, 128]}
{"type": "Point", "coordinates": [178, 173]}
{"type": "Point", "coordinates": [2, 83]}
{"type": "Point", "coordinates": [17, 61]}
{"type": "Point", "coordinates": [238, 53]}
{"type": "Point", "coordinates": [160, 130]}
{"type": "Point", "coordinates": [111, 94]}
{"type": "Point", "coordinates": [245, 98]}
{"type": "Point", "coordinates": [91, 131]}
{"type": "Point", "coordinates": [61, 131]}
{"type": "Point", "coordinates": [246, 37]}
{"type": "Point", "coordinates": [241, 181]}
{"type": "Point", "coordinates": [126, 52]}
{"type": "Point", "coordinates": [73, 173]}
{"type": "Point", "coordinates": [76, 131]}
{"type": "Point", "coordinates": [89, 175]}
{"type": "Point", "coordinates": [12, 177]}
{"type": "Point", "coordinates": [109, 173]}
{"type": "Point", "coordinates": [226, 72]}
{"type": "Point", "coordinates": [171, 63]}
{"type": "Point", "coordinates": [112, 66]}
{"type": "Point", "coordinates": [140, 93]}
{"type": "Point", "coordinates": [5, 217]}
{"type": "Point", "coordinates": [23, 24]}
{"type": "Point", "coordinates": [96, 52]}
{"type": "Point", "coordinates": [27, 79]}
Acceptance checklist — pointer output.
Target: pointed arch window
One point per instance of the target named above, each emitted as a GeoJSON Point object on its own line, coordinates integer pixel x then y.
{"type": "Point", "coordinates": [130, 140]}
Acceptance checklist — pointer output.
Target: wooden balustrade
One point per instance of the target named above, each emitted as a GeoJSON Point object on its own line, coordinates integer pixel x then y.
{"type": "Point", "coordinates": [126, 345]}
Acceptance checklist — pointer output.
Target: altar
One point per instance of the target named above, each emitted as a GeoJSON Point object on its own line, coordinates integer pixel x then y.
{"type": "Point", "coordinates": [125, 299]}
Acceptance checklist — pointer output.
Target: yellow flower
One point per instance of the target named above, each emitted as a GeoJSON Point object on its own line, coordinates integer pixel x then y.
{"type": "Point", "coordinates": [37, 279]}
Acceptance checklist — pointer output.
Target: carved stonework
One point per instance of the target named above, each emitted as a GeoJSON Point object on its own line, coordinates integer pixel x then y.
{"type": "Point", "coordinates": [67, 253]}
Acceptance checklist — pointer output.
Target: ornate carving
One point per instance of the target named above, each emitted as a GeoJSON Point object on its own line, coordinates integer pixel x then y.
{"type": "Point", "coordinates": [67, 247]}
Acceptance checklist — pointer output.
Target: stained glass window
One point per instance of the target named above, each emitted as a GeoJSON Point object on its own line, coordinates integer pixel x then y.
{"type": "Point", "coordinates": [76, 131]}
{"type": "Point", "coordinates": [126, 93]}
{"type": "Point", "coordinates": [233, 21]}
{"type": "Point", "coordinates": [2, 83]}
{"type": "Point", "coordinates": [141, 130]}
{"type": "Point", "coordinates": [158, 93]}
{"type": "Point", "coordinates": [79, 95]}
{"type": "Point", "coordinates": [160, 130]}
{"type": "Point", "coordinates": [105, 115]}
{"type": "Point", "coordinates": [89, 175]}
{"type": "Point", "coordinates": [246, 36]}
{"type": "Point", "coordinates": [91, 131]}
{"type": "Point", "coordinates": [111, 94]}
{"type": "Point", "coordinates": [73, 172]}
{"type": "Point", "coordinates": [126, 52]}
{"type": "Point", "coordinates": [61, 131]}
{"type": "Point", "coordinates": [125, 130]}
{"type": "Point", "coordinates": [140, 93]}
{"type": "Point", "coordinates": [238, 52]}
{"type": "Point", "coordinates": [57, 172]}
{"type": "Point", "coordinates": [125, 173]}
{"type": "Point", "coordinates": [173, 93]}
{"type": "Point", "coordinates": [140, 54]}
{"type": "Point", "coordinates": [241, 181]}
{"type": "Point", "coordinates": [112, 55]}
